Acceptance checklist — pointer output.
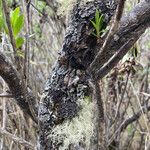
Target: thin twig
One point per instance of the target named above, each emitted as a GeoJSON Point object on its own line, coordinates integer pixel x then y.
{"type": "Point", "coordinates": [23, 95]}
{"type": "Point", "coordinates": [100, 118]}
{"type": "Point", "coordinates": [113, 61]}
{"type": "Point", "coordinates": [4, 115]}
{"type": "Point", "coordinates": [111, 33]}
{"type": "Point", "coordinates": [126, 122]}
{"type": "Point", "coordinates": [133, 118]}
{"type": "Point", "coordinates": [138, 100]}
{"type": "Point", "coordinates": [6, 95]}
{"type": "Point", "coordinates": [122, 96]}
{"type": "Point", "coordinates": [11, 145]}
{"type": "Point", "coordinates": [12, 39]}
{"type": "Point", "coordinates": [38, 10]}
{"type": "Point", "coordinates": [17, 139]}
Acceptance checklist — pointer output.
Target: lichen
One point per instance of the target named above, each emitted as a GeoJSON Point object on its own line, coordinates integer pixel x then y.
{"type": "Point", "coordinates": [80, 129]}
{"type": "Point", "coordinates": [66, 7]}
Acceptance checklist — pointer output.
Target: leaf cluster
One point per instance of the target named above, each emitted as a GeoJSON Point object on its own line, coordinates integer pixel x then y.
{"type": "Point", "coordinates": [98, 24]}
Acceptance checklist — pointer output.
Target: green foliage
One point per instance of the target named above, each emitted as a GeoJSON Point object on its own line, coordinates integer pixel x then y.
{"type": "Point", "coordinates": [130, 129]}
{"type": "Point", "coordinates": [14, 15]}
{"type": "Point", "coordinates": [98, 24]}
{"type": "Point", "coordinates": [1, 21]}
{"type": "Point", "coordinates": [19, 42]}
{"type": "Point", "coordinates": [17, 23]}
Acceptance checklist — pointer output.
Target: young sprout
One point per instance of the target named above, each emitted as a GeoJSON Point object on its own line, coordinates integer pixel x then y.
{"type": "Point", "coordinates": [98, 24]}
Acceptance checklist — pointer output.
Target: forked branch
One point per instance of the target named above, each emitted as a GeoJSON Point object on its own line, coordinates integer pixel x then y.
{"type": "Point", "coordinates": [131, 28]}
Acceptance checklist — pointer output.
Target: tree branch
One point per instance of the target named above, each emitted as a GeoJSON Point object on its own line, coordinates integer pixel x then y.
{"type": "Point", "coordinates": [17, 139]}
{"type": "Point", "coordinates": [111, 33]}
{"type": "Point", "coordinates": [6, 95]}
{"type": "Point", "coordinates": [134, 118]}
{"type": "Point", "coordinates": [12, 39]}
{"type": "Point", "coordinates": [22, 95]}
{"type": "Point", "coordinates": [131, 27]}
{"type": "Point", "coordinates": [104, 70]}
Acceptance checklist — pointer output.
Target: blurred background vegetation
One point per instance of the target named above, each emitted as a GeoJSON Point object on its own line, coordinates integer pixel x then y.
{"type": "Point", "coordinates": [39, 28]}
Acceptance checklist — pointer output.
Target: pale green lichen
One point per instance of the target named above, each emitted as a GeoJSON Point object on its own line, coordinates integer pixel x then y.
{"type": "Point", "coordinates": [66, 7]}
{"type": "Point", "coordinates": [79, 129]}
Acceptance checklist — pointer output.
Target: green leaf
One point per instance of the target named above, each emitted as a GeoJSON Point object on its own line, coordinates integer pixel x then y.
{"type": "Point", "coordinates": [1, 5]}
{"type": "Point", "coordinates": [130, 129]}
{"type": "Point", "coordinates": [96, 16]}
{"type": "Point", "coordinates": [98, 23]}
{"type": "Point", "coordinates": [93, 23]}
{"type": "Point", "coordinates": [14, 15]}
{"type": "Point", "coordinates": [101, 21]}
{"type": "Point", "coordinates": [1, 22]}
{"type": "Point", "coordinates": [19, 42]}
{"type": "Point", "coordinates": [18, 25]}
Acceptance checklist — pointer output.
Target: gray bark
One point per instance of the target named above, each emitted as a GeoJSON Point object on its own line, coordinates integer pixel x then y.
{"type": "Point", "coordinates": [67, 99]}
{"type": "Point", "coordinates": [69, 85]}
{"type": "Point", "coordinates": [71, 111]}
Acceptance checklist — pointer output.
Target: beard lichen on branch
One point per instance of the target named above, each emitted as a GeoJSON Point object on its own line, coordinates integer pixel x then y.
{"type": "Point", "coordinates": [67, 110]}
{"type": "Point", "coordinates": [80, 130]}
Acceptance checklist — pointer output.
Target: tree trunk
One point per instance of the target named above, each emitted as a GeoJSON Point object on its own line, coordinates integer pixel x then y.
{"type": "Point", "coordinates": [68, 111]}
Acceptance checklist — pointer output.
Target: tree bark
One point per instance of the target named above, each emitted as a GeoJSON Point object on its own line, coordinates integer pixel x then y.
{"type": "Point", "coordinates": [63, 115]}
{"type": "Point", "coordinates": [71, 110]}
{"type": "Point", "coordinates": [68, 109]}
{"type": "Point", "coordinates": [22, 94]}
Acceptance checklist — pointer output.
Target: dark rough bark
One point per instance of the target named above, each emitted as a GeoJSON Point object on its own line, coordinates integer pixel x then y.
{"type": "Point", "coordinates": [131, 28]}
{"type": "Point", "coordinates": [68, 110]}
{"type": "Point", "coordinates": [68, 88]}
{"type": "Point", "coordinates": [69, 85]}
